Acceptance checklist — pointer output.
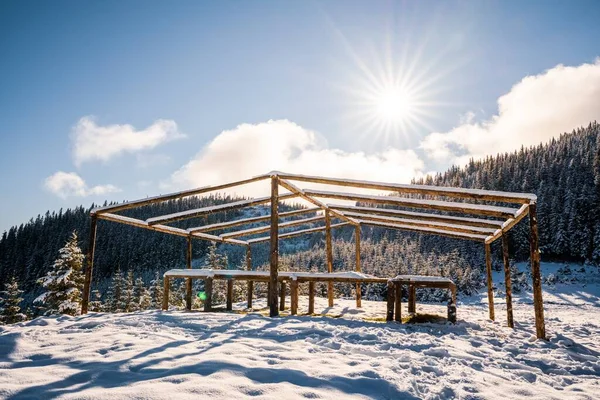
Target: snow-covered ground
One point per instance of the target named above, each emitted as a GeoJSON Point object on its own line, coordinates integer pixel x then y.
{"type": "Point", "coordinates": [236, 355]}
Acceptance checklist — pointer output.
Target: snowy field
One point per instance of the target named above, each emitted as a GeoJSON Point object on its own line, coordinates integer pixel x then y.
{"type": "Point", "coordinates": [160, 355]}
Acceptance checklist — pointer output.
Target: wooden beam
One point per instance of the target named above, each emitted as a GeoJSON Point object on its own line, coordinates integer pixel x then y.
{"type": "Point", "coordinates": [294, 297]}
{"type": "Point", "coordinates": [477, 238]}
{"type": "Point", "coordinates": [208, 289]}
{"type": "Point", "coordinates": [188, 283]}
{"type": "Point", "coordinates": [508, 224]}
{"type": "Point", "coordinates": [311, 297]}
{"type": "Point", "coordinates": [229, 304]}
{"type": "Point", "coordinates": [412, 299]}
{"type": "Point", "coordinates": [296, 233]}
{"type": "Point", "coordinates": [465, 208]}
{"type": "Point", "coordinates": [165, 304]}
{"type": "Point", "coordinates": [245, 221]}
{"type": "Point", "coordinates": [294, 189]}
{"type": "Point", "coordinates": [538, 303]}
{"type": "Point", "coordinates": [398, 302]}
{"type": "Point", "coordinates": [173, 196]}
{"type": "Point", "coordinates": [274, 239]}
{"type": "Point", "coordinates": [357, 264]}
{"type": "Point", "coordinates": [477, 194]}
{"type": "Point", "coordinates": [329, 254]}
{"type": "Point", "coordinates": [425, 224]}
{"type": "Point", "coordinates": [490, 284]}
{"type": "Point", "coordinates": [250, 283]}
{"type": "Point", "coordinates": [507, 282]}
{"type": "Point", "coordinates": [198, 212]}
{"type": "Point", "coordinates": [266, 228]}
{"type": "Point", "coordinates": [390, 301]}
{"type": "Point", "coordinates": [282, 296]}
{"type": "Point", "coordinates": [90, 265]}
{"type": "Point", "coordinates": [483, 223]}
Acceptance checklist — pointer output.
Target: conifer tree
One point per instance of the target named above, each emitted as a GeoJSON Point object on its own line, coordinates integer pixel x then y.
{"type": "Point", "coordinates": [64, 282]}
{"type": "Point", "coordinates": [96, 303]}
{"type": "Point", "coordinates": [156, 292]}
{"type": "Point", "coordinates": [127, 303]}
{"type": "Point", "coordinates": [10, 303]}
{"type": "Point", "coordinates": [115, 293]}
{"type": "Point", "coordinates": [141, 295]}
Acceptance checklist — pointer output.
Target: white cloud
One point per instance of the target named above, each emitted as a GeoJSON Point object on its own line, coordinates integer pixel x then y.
{"type": "Point", "coordinates": [254, 149]}
{"type": "Point", "coordinates": [68, 184]}
{"type": "Point", "coordinates": [535, 110]}
{"type": "Point", "coordinates": [93, 142]}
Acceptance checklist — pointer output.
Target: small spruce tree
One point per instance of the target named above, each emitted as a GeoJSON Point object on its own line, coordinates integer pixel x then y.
{"type": "Point", "coordinates": [10, 303]}
{"type": "Point", "coordinates": [64, 282]}
{"type": "Point", "coordinates": [156, 291]}
{"type": "Point", "coordinates": [127, 303]}
{"type": "Point", "coordinates": [96, 304]}
{"type": "Point", "coordinates": [115, 292]}
{"type": "Point", "coordinates": [141, 295]}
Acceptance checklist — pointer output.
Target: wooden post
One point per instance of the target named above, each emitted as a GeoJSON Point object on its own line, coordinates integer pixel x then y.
{"type": "Point", "coordinates": [358, 267]}
{"type": "Point", "coordinates": [329, 251]}
{"type": "Point", "coordinates": [452, 304]}
{"type": "Point", "coordinates": [282, 296]}
{"type": "Point", "coordinates": [229, 294]}
{"type": "Point", "coordinates": [294, 297]}
{"type": "Point", "coordinates": [507, 280]}
{"type": "Point", "coordinates": [249, 268]}
{"type": "Point", "coordinates": [538, 303]}
{"type": "Point", "coordinates": [90, 266]}
{"type": "Point", "coordinates": [188, 283]}
{"type": "Point", "coordinates": [398, 302]}
{"type": "Point", "coordinates": [390, 302]}
{"type": "Point", "coordinates": [490, 289]}
{"type": "Point", "coordinates": [208, 287]}
{"type": "Point", "coordinates": [311, 297]}
{"type": "Point", "coordinates": [274, 259]}
{"type": "Point", "coordinates": [412, 299]}
{"type": "Point", "coordinates": [165, 304]}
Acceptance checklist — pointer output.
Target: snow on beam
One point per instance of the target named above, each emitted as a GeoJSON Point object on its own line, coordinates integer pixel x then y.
{"type": "Point", "coordinates": [483, 223]}
{"type": "Point", "coordinates": [508, 224]}
{"type": "Point", "coordinates": [294, 189]}
{"type": "Point", "coordinates": [245, 221]}
{"type": "Point", "coordinates": [439, 232]}
{"type": "Point", "coordinates": [425, 224]}
{"type": "Point", "coordinates": [296, 233]}
{"type": "Point", "coordinates": [175, 195]}
{"type": "Point", "coordinates": [479, 194]}
{"type": "Point", "coordinates": [465, 208]}
{"type": "Point", "coordinates": [261, 229]}
{"type": "Point", "coordinates": [165, 229]}
{"type": "Point", "coordinates": [212, 209]}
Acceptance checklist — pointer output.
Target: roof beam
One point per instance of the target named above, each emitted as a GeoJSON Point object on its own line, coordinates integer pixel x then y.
{"type": "Point", "coordinates": [175, 195]}
{"type": "Point", "coordinates": [425, 224]}
{"type": "Point", "coordinates": [266, 228]}
{"type": "Point", "coordinates": [465, 208]}
{"type": "Point", "coordinates": [482, 223]}
{"type": "Point", "coordinates": [506, 226]}
{"type": "Point", "coordinates": [295, 233]}
{"type": "Point", "coordinates": [245, 221]}
{"type": "Point", "coordinates": [294, 189]}
{"type": "Point", "coordinates": [166, 229]}
{"type": "Point", "coordinates": [439, 232]}
{"type": "Point", "coordinates": [212, 209]}
{"type": "Point", "coordinates": [488, 195]}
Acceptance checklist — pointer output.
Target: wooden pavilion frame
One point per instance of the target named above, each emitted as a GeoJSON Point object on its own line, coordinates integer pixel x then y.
{"type": "Point", "coordinates": [462, 219]}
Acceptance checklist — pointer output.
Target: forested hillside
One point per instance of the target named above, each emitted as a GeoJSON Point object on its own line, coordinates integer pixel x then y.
{"type": "Point", "coordinates": [565, 175]}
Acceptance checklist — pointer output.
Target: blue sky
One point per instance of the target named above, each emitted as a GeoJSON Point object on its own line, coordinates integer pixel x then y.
{"type": "Point", "coordinates": [210, 67]}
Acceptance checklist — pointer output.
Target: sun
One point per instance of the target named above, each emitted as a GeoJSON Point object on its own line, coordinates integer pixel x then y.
{"type": "Point", "coordinates": [394, 105]}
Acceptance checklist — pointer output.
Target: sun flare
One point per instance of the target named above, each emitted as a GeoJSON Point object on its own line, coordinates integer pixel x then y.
{"type": "Point", "coordinates": [394, 105]}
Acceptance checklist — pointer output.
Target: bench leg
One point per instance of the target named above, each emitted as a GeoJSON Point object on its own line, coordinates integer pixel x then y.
{"type": "Point", "coordinates": [390, 302]}
{"type": "Point", "coordinates": [398, 303]}
{"type": "Point", "coordinates": [282, 296]}
{"type": "Point", "coordinates": [311, 297]}
{"type": "Point", "coordinates": [294, 297]}
{"type": "Point", "coordinates": [268, 296]}
{"type": "Point", "coordinates": [412, 299]}
{"type": "Point", "coordinates": [330, 293]}
{"type": "Point", "coordinates": [188, 294]}
{"type": "Point", "coordinates": [208, 287]}
{"type": "Point", "coordinates": [358, 295]}
{"type": "Point", "coordinates": [250, 292]}
{"type": "Point", "coordinates": [229, 294]}
{"type": "Point", "coordinates": [452, 305]}
{"type": "Point", "coordinates": [165, 303]}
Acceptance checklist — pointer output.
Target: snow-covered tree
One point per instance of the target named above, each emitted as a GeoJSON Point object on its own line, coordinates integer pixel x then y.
{"type": "Point", "coordinates": [96, 303]}
{"type": "Point", "coordinates": [156, 291]}
{"type": "Point", "coordinates": [115, 292]}
{"type": "Point", "coordinates": [127, 303]}
{"type": "Point", "coordinates": [64, 282]}
{"type": "Point", "coordinates": [141, 295]}
{"type": "Point", "coordinates": [10, 303]}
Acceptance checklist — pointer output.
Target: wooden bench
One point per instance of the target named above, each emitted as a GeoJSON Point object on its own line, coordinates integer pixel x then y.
{"type": "Point", "coordinates": [414, 281]}
{"type": "Point", "coordinates": [294, 278]}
